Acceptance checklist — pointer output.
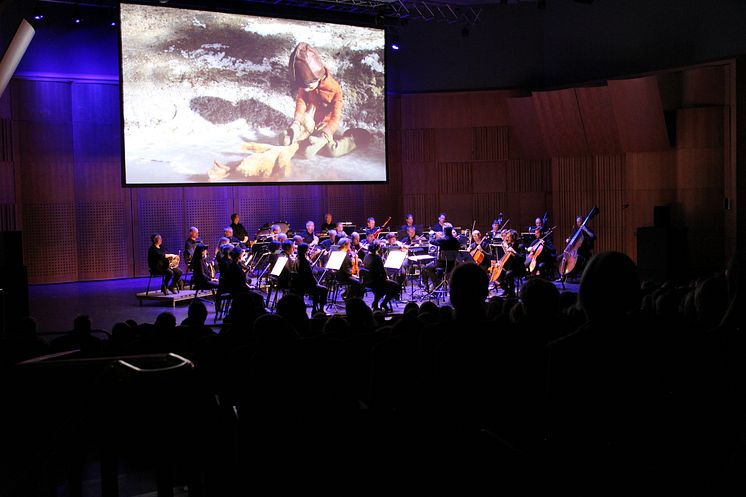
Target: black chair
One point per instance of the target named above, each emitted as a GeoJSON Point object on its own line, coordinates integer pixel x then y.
{"type": "Point", "coordinates": [223, 303]}
{"type": "Point", "coordinates": [449, 257]}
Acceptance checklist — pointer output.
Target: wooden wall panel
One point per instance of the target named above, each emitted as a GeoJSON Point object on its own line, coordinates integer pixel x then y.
{"type": "Point", "coordinates": [458, 208]}
{"type": "Point", "coordinates": [638, 112]}
{"type": "Point", "coordinates": [700, 168]}
{"type": "Point", "coordinates": [525, 127]}
{"type": "Point", "coordinates": [560, 122]}
{"type": "Point", "coordinates": [704, 85]}
{"type": "Point", "coordinates": [418, 145]}
{"type": "Point", "coordinates": [424, 207]}
{"type": "Point", "coordinates": [700, 127]}
{"type": "Point", "coordinates": [454, 177]}
{"type": "Point", "coordinates": [528, 175]}
{"type": "Point", "coordinates": [599, 125]}
{"type": "Point", "coordinates": [420, 178]}
{"type": "Point", "coordinates": [609, 178]}
{"type": "Point", "coordinates": [491, 143]}
{"type": "Point", "coordinates": [156, 210]}
{"type": "Point", "coordinates": [486, 206]}
{"type": "Point", "coordinates": [56, 262]}
{"type": "Point", "coordinates": [455, 144]}
{"type": "Point", "coordinates": [489, 177]}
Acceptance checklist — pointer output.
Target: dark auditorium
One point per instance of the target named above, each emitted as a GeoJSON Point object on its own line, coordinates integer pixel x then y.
{"type": "Point", "coordinates": [272, 247]}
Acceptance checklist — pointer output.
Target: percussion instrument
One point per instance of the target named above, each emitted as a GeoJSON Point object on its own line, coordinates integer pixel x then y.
{"type": "Point", "coordinates": [173, 261]}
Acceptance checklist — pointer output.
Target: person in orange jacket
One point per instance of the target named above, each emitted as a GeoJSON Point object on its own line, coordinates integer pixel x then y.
{"type": "Point", "coordinates": [318, 107]}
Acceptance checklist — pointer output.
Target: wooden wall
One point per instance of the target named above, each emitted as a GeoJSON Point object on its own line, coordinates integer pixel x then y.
{"type": "Point", "coordinates": [626, 146]}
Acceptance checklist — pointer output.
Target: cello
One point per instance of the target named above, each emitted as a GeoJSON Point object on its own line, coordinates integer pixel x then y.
{"type": "Point", "coordinates": [570, 255]}
{"type": "Point", "coordinates": [532, 258]}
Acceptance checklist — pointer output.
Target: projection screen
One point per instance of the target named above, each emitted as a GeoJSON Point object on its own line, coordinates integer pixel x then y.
{"type": "Point", "coordinates": [216, 98]}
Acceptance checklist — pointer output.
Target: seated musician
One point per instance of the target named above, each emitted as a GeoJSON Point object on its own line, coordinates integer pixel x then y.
{"type": "Point", "coordinates": [585, 250]}
{"type": "Point", "coordinates": [370, 237]}
{"type": "Point", "coordinates": [494, 234]}
{"type": "Point", "coordinates": [288, 251]}
{"type": "Point", "coordinates": [514, 265]}
{"type": "Point", "coordinates": [328, 224]}
{"type": "Point", "coordinates": [201, 273]}
{"type": "Point", "coordinates": [276, 231]}
{"type": "Point", "coordinates": [308, 236]}
{"type": "Point", "coordinates": [297, 240]}
{"type": "Point", "coordinates": [410, 238]}
{"type": "Point", "coordinates": [329, 242]}
{"type": "Point", "coordinates": [340, 229]}
{"type": "Point", "coordinates": [238, 229]}
{"type": "Point", "coordinates": [370, 224]}
{"type": "Point", "coordinates": [447, 242]}
{"type": "Point", "coordinates": [191, 242]}
{"type": "Point", "coordinates": [356, 245]}
{"type": "Point", "coordinates": [228, 233]}
{"type": "Point", "coordinates": [481, 244]}
{"type": "Point", "coordinates": [345, 273]}
{"type": "Point", "coordinates": [304, 282]}
{"type": "Point", "coordinates": [545, 259]}
{"type": "Point", "coordinates": [377, 280]}
{"type": "Point", "coordinates": [440, 225]}
{"type": "Point", "coordinates": [158, 264]}
{"type": "Point", "coordinates": [234, 280]}
{"type": "Point", "coordinates": [408, 223]}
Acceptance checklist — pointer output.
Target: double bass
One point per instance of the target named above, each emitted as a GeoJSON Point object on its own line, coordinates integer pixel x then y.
{"type": "Point", "coordinates": [570, 255]}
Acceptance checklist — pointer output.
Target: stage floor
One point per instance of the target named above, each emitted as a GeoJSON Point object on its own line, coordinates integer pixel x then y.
{"type": "Point", "coordinates": [108, 302]}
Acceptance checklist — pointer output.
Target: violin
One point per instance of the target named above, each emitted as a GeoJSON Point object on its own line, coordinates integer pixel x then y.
{"type": "Point", "coordinates": [355, 265]}
{"type": "Point", "coordinates": [378, 231]}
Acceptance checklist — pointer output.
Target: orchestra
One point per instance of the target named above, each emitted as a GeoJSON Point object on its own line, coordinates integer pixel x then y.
{"type": "Point", "coordinates": [239, 264]}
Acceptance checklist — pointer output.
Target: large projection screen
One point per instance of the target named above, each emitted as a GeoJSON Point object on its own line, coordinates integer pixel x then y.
{"type": "Point", "coordinates": [216, 98]}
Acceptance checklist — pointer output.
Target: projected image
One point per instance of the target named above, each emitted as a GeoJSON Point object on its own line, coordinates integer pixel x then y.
{"type": "Point", "coordinates": [222, 98]}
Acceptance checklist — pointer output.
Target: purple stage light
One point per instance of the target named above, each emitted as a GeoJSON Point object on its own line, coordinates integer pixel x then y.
{"type": "Point", "coordinates": [38, 17]}
{"type": "Point", "coordinates": [394, 46]}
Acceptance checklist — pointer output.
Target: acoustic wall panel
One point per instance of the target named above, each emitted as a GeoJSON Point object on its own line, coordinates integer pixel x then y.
{"type": "Point", "coordinates": [42, 222]}
{"type": "Point", "coordinates": [701, 127]}
{"type": "Point", "coordinates": [455, 177]}
{"type": "Point", "coordinates": [489, 177]}
{"type": "Point", "coordinates": [560, 122]}
{"type": "Point", "coordinates": [599, 125]}
{"type": "Point", "coordinates": [455, 144]}
{"type": "Point", "coordinates": [418, 145]}
{"type": "Point", "coordinates": [638, 112]}
{"type": "Point", "coordinates": [526, 129]}
{"type": "Point", "coordinates": [705, 85]}
{"type": "Point", "coordinates": [491, 143]}
{"type": "Point", "coordinates": [157, 210]}
{"type": "Point", "coordinates": [103, 240]}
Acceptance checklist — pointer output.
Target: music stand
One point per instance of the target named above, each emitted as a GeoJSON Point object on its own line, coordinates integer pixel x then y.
{"type": "Point", "coordinates": [280, 264]}
{"type": "Point", "coordinates": [334, 263]}
{"type": "Point", "coordinates": [394, 261]}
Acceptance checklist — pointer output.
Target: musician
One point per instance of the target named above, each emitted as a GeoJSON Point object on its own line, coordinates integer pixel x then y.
{"type": "Point", "coordinates": [408, 222]}
{"type": "Point", "coordinates": [276, 231]}
{"type": "Point", "coordinates": [344, 275]}
{"type": "Point", "coordinates": [499, 219]}
{"type": "Point", "coordinates": [288, 252]}
{"type": "Point", "coordinates": [356, 245]}
{"type": "Point", "coordinates": [297, 240]}
{"type": "Point", "coordinates": [308, 236]}
{"type": "Point", "coordinates": [329, 242]}
{"type": "Point", "coordinates": [191, 242]}
{"type": "Point", "coordinates": [328, 224]}
{"type": "Point", "coordinates": [228, 233]}
{"type": "Point", "coordinates": [545, 259]}
{"type": "Point", "coordinates": [440, 225]}
{"type": "Point", "coordinates": [234, 279]}
{"type": "Point", "coordinates": [479, 242]}
{"type": "Point", "coordinates": [370, 237]}
{"type": "Point", "coordinates": [392, 242]}
{"type": "Point", "coordinates": [538, 224]}
{"type": "Point", "coordinates": [304, 282]}
{"type": "Point", "coordinates": [514, 265]}
{"type": "Point", "coordinates": [201, 274]}
{"type": "Point", "coordinates": [281, 238]}
{"type": "Point", "coordinates": [340, 229]}
{"type": "Point", "coordinates": [445, 242]}
{"type": "Point", "coordinates": [377, 280]}
{"type": "Point", "coordinates": [585, 250]}
{"type": "Point", "coordinates": [158, 264]}
{"type": "Point", "coordinates": [494, 234]}
{"type": "Point", "coordinates": [238, 229]}
{"type": "Point", "coordinates": [410, 238]}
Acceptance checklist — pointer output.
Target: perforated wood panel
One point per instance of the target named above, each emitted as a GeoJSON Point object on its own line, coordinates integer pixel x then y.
{"type": "Point", "coordinates": [50, 242]}
{"type": "Point", "coordinates": [424, 207]}
{"type": "Point", "coordinates": [8, 217]}
{"type": "Point", "coordinates": [528, 175]}
{"type": "Point", "coordinates": [103, 235]}
{"type": "Point", "coordinates": [6, 141]}
{"type": "Point", "coordinates": [157, 216]}
{"type": "Point", "coordinates": [210, 216]}
{"type": "Point", "coordinates": [346, 203]}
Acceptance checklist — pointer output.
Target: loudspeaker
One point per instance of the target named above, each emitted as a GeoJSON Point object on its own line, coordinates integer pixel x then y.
{"type": "Point", "coordinates": [661, 254]}
{"type": "Point", "coordinates": [11, 249]}
{"type": "Point", "coordinates": [16, 49]}
{"type": "Point", "coordinates": [662, 216]}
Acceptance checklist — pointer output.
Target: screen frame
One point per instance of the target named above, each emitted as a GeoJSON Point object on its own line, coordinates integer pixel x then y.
{"type": "Point", "coordinates": [293, 15]}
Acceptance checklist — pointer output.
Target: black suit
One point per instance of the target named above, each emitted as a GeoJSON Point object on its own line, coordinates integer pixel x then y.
{"type": "Point", "coordinates": [158, 265]}
{"type": "Point", "coordinates": [305, 283]}
{"type": "Point", "coordinates": [377, 281]}
{"type": "Point", "coordinates": [344, 277]}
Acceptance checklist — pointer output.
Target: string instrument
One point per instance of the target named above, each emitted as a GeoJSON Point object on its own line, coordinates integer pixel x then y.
{"type": "Point", "coordinates": [532, 258]}
{"type": "Point", "coordinates": [355, 264]}
{"type": "Point", "coordinates": [497, 266]}
{"type": "Point", "coordinates": [570, 255]}
{"type": "Point", "coordinates": [378, 231]}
